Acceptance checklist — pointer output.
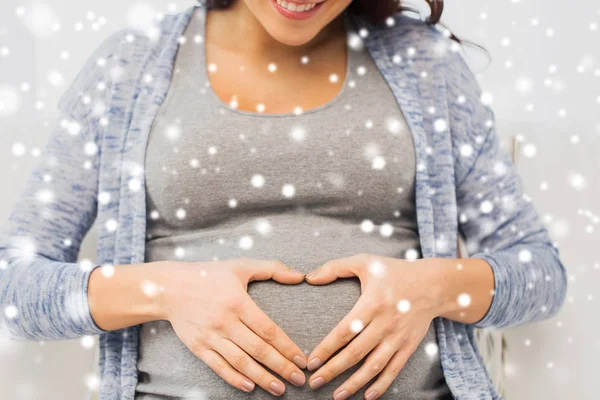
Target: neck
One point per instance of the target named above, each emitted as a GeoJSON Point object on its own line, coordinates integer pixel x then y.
{"type": "Point", "coordinates": [238, 29]}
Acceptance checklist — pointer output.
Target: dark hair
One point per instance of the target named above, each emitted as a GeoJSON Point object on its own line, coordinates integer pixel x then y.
{"type": "Point", "coordinates": [377, 11]}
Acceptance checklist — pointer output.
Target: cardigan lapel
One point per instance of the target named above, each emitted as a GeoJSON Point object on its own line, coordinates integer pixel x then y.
{"type": "Point", "coordinates": [124, 150]}
{"type": "Point", "coordinates": [151, 97]}
{"type": "Point", "coordinates": [403, 81]}
{"type": "Point", "coordinates": [414, 95]}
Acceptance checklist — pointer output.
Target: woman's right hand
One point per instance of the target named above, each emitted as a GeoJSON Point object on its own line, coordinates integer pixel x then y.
{"type": "Point", "coordinates": [209, 307]}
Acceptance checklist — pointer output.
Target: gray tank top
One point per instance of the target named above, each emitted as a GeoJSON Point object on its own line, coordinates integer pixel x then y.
{"type": "Point", "coordinates": [332, 182]}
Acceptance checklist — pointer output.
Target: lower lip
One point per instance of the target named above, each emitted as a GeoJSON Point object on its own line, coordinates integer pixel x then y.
{"type": "Point", "coordinates": [297, 15]}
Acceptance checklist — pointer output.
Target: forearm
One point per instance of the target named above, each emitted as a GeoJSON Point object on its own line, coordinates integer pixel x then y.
{"type": "Point", "coordinates": [464, 287]}
{"type": "Point", "coordinates": [124, 296]}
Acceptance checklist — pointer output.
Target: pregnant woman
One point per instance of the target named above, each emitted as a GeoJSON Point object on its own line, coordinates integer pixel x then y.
{"type": "Point", "coordinates": [279, 188]}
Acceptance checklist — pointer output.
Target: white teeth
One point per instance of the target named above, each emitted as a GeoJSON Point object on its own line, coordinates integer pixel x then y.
{"type": "Point", "coordinates": [296, 7]}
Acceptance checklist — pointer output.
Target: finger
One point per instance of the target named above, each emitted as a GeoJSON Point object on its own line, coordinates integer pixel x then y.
{"type": "Point", "coordinates": [357, 350]}
{"type": "Point", "coordinates": [245, 364]}
{"type": "Point", "coordinates": [359, 316]}
{"type": "Point", "coordinates": [389, 373]}
{"type": "Point", "coordinates": [374, 363]}
{"type": "Point", "coordinates": [260, 323]}
{"type": "Point", "coordinates": [338, 268]}
{"type": "Point", "coordinates": [266, 354]}
{"type": "Point", "coordinates": [262, 270]}
{"type": "Point", "coordinates": [218, 364]}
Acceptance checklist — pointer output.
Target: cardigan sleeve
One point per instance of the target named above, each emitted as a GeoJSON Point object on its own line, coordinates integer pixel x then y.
{"type": "Point", "coordinates": [43, 289]}
{"type": "Point", "coordinates": [496, 217]}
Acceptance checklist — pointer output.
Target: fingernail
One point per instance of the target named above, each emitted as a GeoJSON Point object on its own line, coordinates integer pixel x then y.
{"type": "Point", "coordinates": [314, 364]}
{"type": "Point", "coordinates": [300, 362]}
{"type": "Point", "coordinates": [277, 387]}
{"type": "Point", "coordinates": [317, 383]}
{"type": "Point", "coordinates": [312, 274]}
{"type": "Point", "coordinates": [341, 395]}
{"type": "Point", "coordinates": [371, 395]}
{"type": "Point", "coordinates": [247, 386]}
{"type": "Point", "coordinates": [298, 379]}
{"type": "Point", "coordinates": [297, 272]}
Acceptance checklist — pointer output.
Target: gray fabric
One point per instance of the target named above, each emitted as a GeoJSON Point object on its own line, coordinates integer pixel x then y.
{"type": "Point", "coordinates": [340, 182]}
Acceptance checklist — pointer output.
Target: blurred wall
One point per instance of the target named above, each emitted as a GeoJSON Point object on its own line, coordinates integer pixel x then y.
{"type": "Point", "coordinates": [544, 79]}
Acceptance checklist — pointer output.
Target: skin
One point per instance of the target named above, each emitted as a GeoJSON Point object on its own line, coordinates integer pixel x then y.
{"type": "Point", "coordinates": [209, 307]}
{"type": "Point", "coordinates": [207, 302]}
{"type": "Point", "coordinates": [399, 300]}
{"type": "Point", "coordinates": [242, 40]}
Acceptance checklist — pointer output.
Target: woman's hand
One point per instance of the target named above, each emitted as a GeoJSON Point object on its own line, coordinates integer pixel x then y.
{"type": "Point", "coordinates": [388, 322]}
{"type": "Point", "coordinates": [212, 313]}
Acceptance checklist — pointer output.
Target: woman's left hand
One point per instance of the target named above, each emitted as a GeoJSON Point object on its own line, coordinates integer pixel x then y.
{"type": "Point", "coordinates": [399, 299]}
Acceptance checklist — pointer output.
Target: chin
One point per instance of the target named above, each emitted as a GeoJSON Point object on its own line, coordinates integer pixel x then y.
{"type": "Point", "coordinates": [292, 31]}
{"type": "Point", "coordinates": [291, 38]}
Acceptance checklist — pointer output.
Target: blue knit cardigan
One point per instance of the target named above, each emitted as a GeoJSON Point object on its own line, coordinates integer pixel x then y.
{"type": "Point", "coordinates": [92, 168]}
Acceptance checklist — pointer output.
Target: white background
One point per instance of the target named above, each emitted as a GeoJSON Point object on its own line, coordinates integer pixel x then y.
{"type": "Point", "coordinates": [544, 78]}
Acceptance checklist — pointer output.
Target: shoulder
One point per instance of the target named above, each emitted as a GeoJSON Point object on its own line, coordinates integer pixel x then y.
{"type": "Point", "coordinates": [425, 48]}
{"type": "Point", "coordinates": [415, 31]}
{"type": "Point", "coordinates": [413, 39]}
{"type": "Point", "coordinates": [117, 62]}
{"type": "Point", "coordinates": [437, 65]}
{"type": "Point", "coordinates": [105, 64]}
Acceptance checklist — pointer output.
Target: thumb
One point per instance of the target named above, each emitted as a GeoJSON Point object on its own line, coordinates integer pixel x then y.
{"type": "Point", "coordinates": [329, 272]}
{"type": "Point", "coordinates": [276, 270]}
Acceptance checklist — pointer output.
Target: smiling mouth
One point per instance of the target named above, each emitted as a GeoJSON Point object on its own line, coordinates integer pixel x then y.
{"type": "Point", "coordinates": [297, 7]}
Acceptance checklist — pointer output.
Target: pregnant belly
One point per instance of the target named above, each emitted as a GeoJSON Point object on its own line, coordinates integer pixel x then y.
{"type": "Point", "coordinates": [307, 314]}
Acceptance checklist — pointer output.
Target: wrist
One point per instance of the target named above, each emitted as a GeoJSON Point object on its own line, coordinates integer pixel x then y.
{"type": "Point", "coordinates": [437, 284]}
{"type": "Point", "coordinates": [149, 282]}
{"type": "Point", "coordinates": [445, 284]}
{"type": "Point", "coordinates": [463, 287]}
{"type": "Point", "coordinates": [117, 299]}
